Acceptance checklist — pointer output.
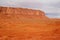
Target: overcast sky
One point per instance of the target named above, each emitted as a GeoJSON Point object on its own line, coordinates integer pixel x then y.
{"type": "Point", "coordinates": [50, 7]}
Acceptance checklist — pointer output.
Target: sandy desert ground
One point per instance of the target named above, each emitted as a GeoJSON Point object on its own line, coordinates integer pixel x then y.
{"type": "Point", "coordinates": [27, 24]}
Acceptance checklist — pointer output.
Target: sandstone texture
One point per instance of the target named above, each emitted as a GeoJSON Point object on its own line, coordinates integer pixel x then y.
{"type": "Point", "coordinates": [27, 24]}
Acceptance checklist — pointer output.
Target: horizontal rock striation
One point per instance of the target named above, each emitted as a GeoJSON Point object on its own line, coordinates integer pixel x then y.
{"type": "Point", "coordinates": [27, 24]}
{"type": "Point", "coordinates": [21, 11]}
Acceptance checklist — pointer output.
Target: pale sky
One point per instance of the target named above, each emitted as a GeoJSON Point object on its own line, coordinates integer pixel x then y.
{"type": "Point", "coordinates": [50, 7]}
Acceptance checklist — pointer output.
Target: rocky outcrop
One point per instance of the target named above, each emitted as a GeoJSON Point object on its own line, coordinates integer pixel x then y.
{"type": "Point", "coordinates": [27, 24]}
{"type": "Point", "coordinates": [22, 11]}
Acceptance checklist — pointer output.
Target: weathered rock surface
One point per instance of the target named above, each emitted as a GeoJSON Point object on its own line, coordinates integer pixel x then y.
{"type": "Point", "coordinates": [27, 24]}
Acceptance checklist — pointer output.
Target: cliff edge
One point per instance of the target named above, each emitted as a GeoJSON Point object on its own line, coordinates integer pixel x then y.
{"type": "Point", "coordinates": [22, 11]}
{"type": "Point", "coordinates": [27, 24]}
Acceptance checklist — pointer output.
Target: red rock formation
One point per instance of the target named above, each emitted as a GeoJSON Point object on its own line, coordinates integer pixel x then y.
{"type": "Point", "coordinates": [22, 11]}
{"type": "Point", "coordinates": [27, 24]}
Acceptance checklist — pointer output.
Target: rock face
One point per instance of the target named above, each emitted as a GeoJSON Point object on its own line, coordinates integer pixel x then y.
{"type": "Point", "coordinates": [27, 24]}
{"type": "Point", "coordinates": [21, 11]}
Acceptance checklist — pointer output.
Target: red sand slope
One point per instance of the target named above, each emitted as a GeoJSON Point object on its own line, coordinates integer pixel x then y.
{"type": "Point", "coordinates": [27, 24]}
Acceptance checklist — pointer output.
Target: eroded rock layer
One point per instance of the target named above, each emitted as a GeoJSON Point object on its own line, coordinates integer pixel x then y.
{"type": "Point", "coordinates": [27, 24]}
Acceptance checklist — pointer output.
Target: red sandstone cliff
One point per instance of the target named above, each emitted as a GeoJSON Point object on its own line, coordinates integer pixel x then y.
{"type": "Point", "coordinates": [27, 24]}
{"type": "Point", "coordinates": [21, 11]}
